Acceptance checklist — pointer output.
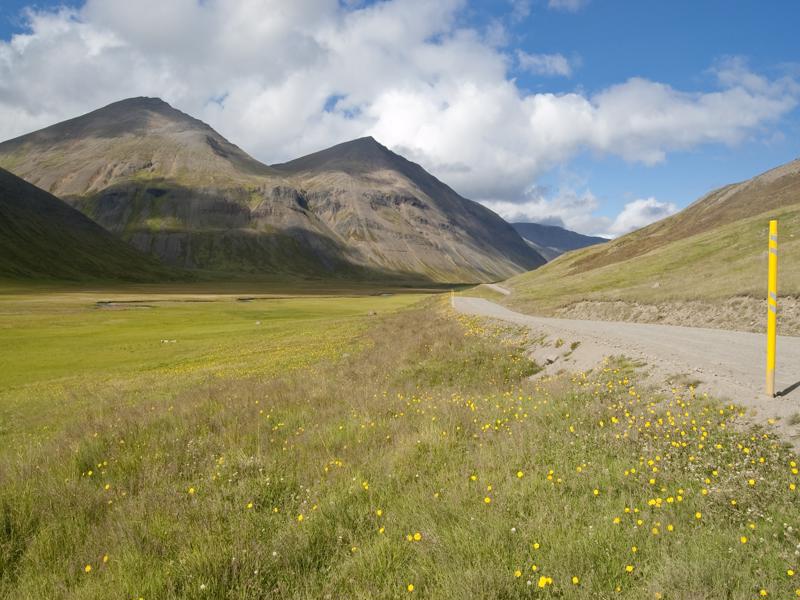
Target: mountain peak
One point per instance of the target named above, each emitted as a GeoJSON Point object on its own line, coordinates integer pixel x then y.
{"type": "Point", "coordinates": [140, 102]}
{"type": "Point", "coordinates": [364, 142]}
{"type": "Point", "coordinates": [133, 138]}
{"type": "Point", "coordinates": [144, 105]}
{"type": "Point", "coordinates": [355, 156]}
{"type": "Point", "coordinates": [128, 116]}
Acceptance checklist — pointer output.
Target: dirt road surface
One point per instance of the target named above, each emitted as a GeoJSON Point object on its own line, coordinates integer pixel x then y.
{"type": "Point", "coordinates": [728, 365]}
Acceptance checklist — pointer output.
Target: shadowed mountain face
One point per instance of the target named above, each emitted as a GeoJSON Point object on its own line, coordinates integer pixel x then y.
{"type": "Point", "coordinates": [389, 207]}
{"type": "Point", "coordinates": [171, 185]}
{"type": "Point", "coordinates": [41, 237]}
{"type": "Point", "coordinates": [552, 241]}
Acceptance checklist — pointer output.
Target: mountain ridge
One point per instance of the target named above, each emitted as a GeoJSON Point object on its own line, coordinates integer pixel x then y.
{"type": "Point", "coordinates": [172, 186]}
{"type": "Point", "coordinates": [551, 241]}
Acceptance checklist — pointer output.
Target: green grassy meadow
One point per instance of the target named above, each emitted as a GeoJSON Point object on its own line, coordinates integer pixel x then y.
{"type": "Point", "coordinates": [333, 453]}
{"type": "Point", "coordinates": [164, 341]}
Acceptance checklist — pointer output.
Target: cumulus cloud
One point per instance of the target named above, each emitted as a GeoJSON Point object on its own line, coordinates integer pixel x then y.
{"type": "Point", "coordinates": [577, 210]}
{"type": "Point", "coordinates": [566, 207]}
{"type": "Point", "coordinates": [544, 64]}
{"type": "Point", "coordinates": [639, 213]}
{"type": "Point", "coordinates": [282, 79]}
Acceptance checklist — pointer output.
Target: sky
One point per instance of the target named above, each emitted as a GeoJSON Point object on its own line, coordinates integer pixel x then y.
{"type": "Point", "coordinates": [598, 115]}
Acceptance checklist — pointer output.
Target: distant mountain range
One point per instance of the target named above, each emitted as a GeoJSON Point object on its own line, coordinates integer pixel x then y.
{"type": "Point", "coordinates": [41, 237]}
{"type": "Point", "coordinates": [174, 188]}
{"type": "Point", "coordinates": [552, 241]}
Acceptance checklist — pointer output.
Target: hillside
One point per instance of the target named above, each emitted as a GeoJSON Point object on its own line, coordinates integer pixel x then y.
{"type": "Point", "coordinates": [705, 266]}
{"type": "Point", "coordinates": [172, 186]}
{"type": "Point", "coordinates": [386, 206]}
{"type": "Point", "coordinates": [43, 238]}
{"type": "Point", "coordinates": [552, 241]}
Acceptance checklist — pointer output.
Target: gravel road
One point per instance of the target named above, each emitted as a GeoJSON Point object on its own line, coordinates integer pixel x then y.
{"type": "Point", "coordinates": [729, 364]}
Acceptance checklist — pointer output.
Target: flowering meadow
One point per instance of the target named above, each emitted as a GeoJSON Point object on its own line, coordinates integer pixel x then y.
{"type": "Point", "coordinates": [407, 454]}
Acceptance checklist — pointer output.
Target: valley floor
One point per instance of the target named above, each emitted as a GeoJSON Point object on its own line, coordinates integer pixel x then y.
{"type": "Point", "coordinates": [367, 447]}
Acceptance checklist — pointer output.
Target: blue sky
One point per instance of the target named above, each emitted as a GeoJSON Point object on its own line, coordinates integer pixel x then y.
{"type": "Point", "coordinates": [676, 42]}
{"type": "Point", "coordinates": [520, 105]}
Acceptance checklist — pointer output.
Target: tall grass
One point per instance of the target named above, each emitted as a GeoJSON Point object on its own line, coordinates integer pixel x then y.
{"type": "Point", "coordinates": [425, 464]}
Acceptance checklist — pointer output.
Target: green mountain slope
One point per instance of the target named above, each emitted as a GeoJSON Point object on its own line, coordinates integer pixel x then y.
{"type": "Point", "coordinates": [41, 237]}
{"type": "Point", "coordinates": [703, 266]}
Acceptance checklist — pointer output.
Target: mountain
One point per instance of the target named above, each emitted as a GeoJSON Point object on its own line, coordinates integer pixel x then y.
{"type": "Point", "coordinates": [392, 210]}
{"type": "Point", "coordinates": [41, 237]}
{"type": "Point", "coordinates": [552, 241]}
{"type": "Point", "coordinates": [172, 186]}
{"type": "Point", "coordinates": [704, 266]}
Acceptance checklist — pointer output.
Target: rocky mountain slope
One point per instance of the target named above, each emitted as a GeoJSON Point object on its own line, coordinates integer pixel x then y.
{"type": "Point", "coordinates": [41, 237]}
{"type": "Point", "coordinates": [704, 266]}
{"type": "Point", "coordinates": [386, 206]}
{"type": "Point", "coordinates": [552, 241]}
{"type": "Point", "coordinates": [172, 186]}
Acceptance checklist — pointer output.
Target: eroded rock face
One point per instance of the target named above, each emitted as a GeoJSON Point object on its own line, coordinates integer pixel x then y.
{"type": "Point", "coordinates": [252, 229]}
{"type": "Point", "coordinates": [171, 185]}
{"type": "Point", "coordinates": [393, 211]}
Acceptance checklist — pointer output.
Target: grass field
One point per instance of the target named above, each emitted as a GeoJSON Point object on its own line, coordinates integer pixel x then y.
{"type": "Point", "coordinates": [164, 341]}
{"type": "Point", "coordinates": [327, 453]}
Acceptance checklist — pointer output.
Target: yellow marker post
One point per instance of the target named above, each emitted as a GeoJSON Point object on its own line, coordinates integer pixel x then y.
{"type": "Point", "coordinates": [772, 306]}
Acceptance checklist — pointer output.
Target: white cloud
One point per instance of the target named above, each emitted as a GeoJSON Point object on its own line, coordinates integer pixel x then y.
{"type": "Point", "coordinates": [262, 72]}
{"type": "Point", "coordinates": [567, 5]}
{"type": "Point", "coordinates": [577, 211]}
{"type": "Point", "coordinates": [568, 208]}
{"type": "Point", "coordinates": [544, 64]}
{"type": "Point", "coordinates": [639, 213]}
{"type": "Point", "coordinates": [520, 10]}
